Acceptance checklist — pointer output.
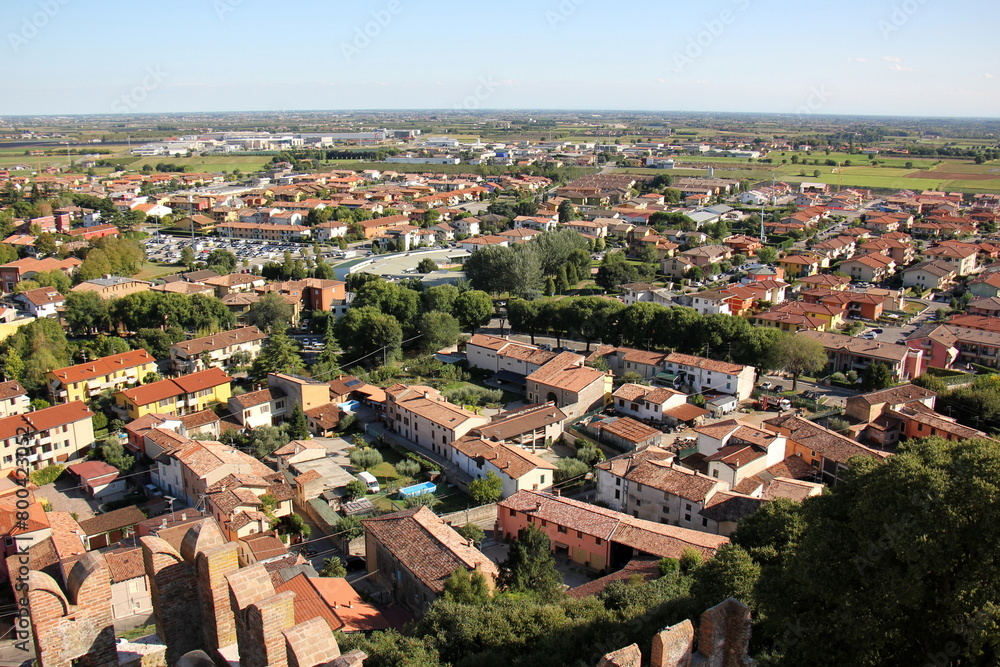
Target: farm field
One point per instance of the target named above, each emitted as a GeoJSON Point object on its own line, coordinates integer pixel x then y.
{"type": "Point", "coordinates": [210, 163]}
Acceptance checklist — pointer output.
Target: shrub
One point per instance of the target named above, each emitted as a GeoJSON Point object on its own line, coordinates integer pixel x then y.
{"type": "Point", "coordinates": [428, 500]}
{"type": "Point", "coordinates": [346, 422]}
{"type": "Point", "coordinates": [569, 469]}
{"type": "Point", "coordinates": [590, 454]}
{"type": "Point", "coordinates": [407, 468]}
{"type": "Point", "coordinates": [690, 560]}
{"type": "Point", "coordinates": [423, 461]}
{"type": "Point", "coordinates": [473, 533]}
{"type": "Point", "coordinates": [356, 489]}
{"type": "Point", "coordinates": [350, 528]}
{"type": "Point", "coordinates": [838, 377]}
{"type": "Point", "coordinates": [669, 567]}
{"type": "Point", "coordinates": [46, 475]}
{"type": "Point", "coordinates": [365, 458]}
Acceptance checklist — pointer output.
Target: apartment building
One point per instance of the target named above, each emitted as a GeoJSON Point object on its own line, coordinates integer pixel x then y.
{"type": "Point", "coordinates": [52, 435]}
{"type": "Point", "coordinates": [175, 396]}
{"type": "Point", "coordinates": [217, 350]}
{"type": "Point", "coordinates": [423, 415]}
{"type": "Point", "coordinates": [83, 382]}
{"type": "Point", "coordinates": [703, 375]}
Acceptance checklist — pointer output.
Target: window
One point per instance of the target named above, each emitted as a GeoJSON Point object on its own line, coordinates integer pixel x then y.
{"type": "Point", "coordinates": [597, 539]}
{"type": "Point", "coordinates": [513, 512]}
{"type": "Point", "coordinates": [687, 517]}
{"type": "Point", "coordinates": [561, 529]}
{"type": "Point", "coordinates": [618, 494]}
{"type": "Point", "coordinates": [638, 503]}
{"type": "Point", "coordinates": [541, 480]}
{"type": "Point", "coordinates": [638, 487]}
{"type": "Point", "coordinates": [704, 521]}
{"type": "Point", "coordinates": [618, 481]}
{"type": "Point", "coordinates": [715, 473]}
{"type": "Point", "coordinates": [687, 506]}
{"type": "Point", "coordinates": [579, 535]}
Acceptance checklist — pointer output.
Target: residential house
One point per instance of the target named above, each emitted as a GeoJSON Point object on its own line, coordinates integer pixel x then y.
{"type": "Point", "coordinates": [872, 268]}
{"type": "Point", "coordinates": [26, 268]}
{"type": "Point", "coordinates": [870, 413]}
{"type": "Point", "coordinates": [52, 435]}
{"type": "Point", "coordinates": [100, 481]}
{"type": "Point", "coordinates": [962, 256]}
{"type": "Point", "coordinates": [571, 386]}
{"type": "Point", "coordinates": [648, 484]}
{"type": "Point", "coordinates": [800, 266]}
{"type": "Point", "coordinates": [597, 538]}
{"type": "Point", "coordinates": [176, 396]}
{"type": "Point", "coordinates": [531, 427]}
{"type": "Point", "coordinates": [412, 552]}
{"type": "Point", "coordinates": [106, 529]}
{"type": "Point", "coordinates": [13, 399]}
{"type": "Point", "coordinates": [265, 407]}
{"type": "Point", "coordinates": [825, 281]}
{"type": "Point", "coordinates": [217, 350]}
{"type": "Point", "coordinates": [516, 467]}
{"type": "Point", "coordinates": [734, 450]}
{"type": "Point", "coordinates": [708, 375]}
{"type": "Point", "coordinates": [846, 353]}
{"type": "Point", "coordinates": [334, 601]}
{"type": "Point", "coordinates": [423, 415]}
{"type": "Point", "coordinates": [85, 381]}
{"type": "Point", "coordinates": [933, 274]}
{"type": "Point", "coordinates": [110, 287]}
{"type": "Point", "coordinates": [984, 285]}
{"type": "Point", "coordinates": [42, 301]}
{"type": "Point", "coordinates": [234, 282]}
{"type": "Point", "coordinates": [621, 433]}
{"type": "Point", "coordinates": [647, 403]}
{"type": "Point", "coordinates": [308, 393]}
{"type": "Point", "coordinates": [197, 223]}
{"type": "Point", "coordinates": [945, 345]}
{"type": "Point", "coordinates": [985, 307]}
{"type": "Point", "coordinates": [826, 451]}
{"type": "Point", "coordinates": [130, 591]}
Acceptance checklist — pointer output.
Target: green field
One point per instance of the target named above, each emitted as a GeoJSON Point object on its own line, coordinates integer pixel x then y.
{"type": "Point", "coordinates": [210, 163]}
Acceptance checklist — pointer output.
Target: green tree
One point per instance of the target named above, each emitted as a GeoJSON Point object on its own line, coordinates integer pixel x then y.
{"type": "Point", "coordinates": [440, 298]}
{"type": "Point", "coordinates": [369, 335]}
{"type": "Point", "coordinates": [880, 536]}
{"type": "Point", "coordinates": [486, 490]}
{"type": "Point", "coordinates": [767, 255]}
{"type": "Point", "coordinates": [437, 330]}
{"type": "Point", "coordinates": [365, 458]}
{"type": "Point", "coordinates": [465, 587]}
{"type": "Point", "coordinates": [45, 244]}
{"type": "Point", "coordinates": [426, 265]}
{"type": "Point", "coordinates": [730, 573]}
{"type": "Point", "coordinates": [279, 354]}
{"type": "Point", "coordinates": [86, 313]}
{"type": "Point", "coordinates": [271, 313]}
{"type": "Point", "coordinates": [333, 567]}
{"type": "Point", "coordinates": [298, 427]}
{"type": "Point", "coordinates": [615, 271]}
{"type": "Point", "coordinates": [473, 309]}
{"type": "Point", "coordinates": [349, 528]}
{"type": "Point", "coordinates": [221, 261]}
{"type": "Point", "coordinates": [800, 355]}
{"type": "Point", "coordinates": [877, 376]}
{"type": "Point", "coordinates": [530, 567]}
{"type": "Point", "coordinates": [114, 454]}
{"type": "Point", "coordinates": [567, 212]}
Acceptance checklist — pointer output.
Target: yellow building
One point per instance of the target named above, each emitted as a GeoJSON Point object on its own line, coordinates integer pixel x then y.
{"type": "Point", "coordinates": [84, 381]}
{"type": "Point", "coordinates": [177, 396]}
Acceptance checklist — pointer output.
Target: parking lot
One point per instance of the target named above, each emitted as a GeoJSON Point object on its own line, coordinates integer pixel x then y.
{"type": "Point", "coordinates": [168, 249]}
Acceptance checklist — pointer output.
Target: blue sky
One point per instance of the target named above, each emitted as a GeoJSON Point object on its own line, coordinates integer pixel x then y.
{"type": "Point", "coordinates": [894, 57]}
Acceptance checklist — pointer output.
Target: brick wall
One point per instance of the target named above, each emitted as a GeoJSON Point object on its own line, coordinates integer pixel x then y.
{"type": "Point", "coordinates": [176, 604]}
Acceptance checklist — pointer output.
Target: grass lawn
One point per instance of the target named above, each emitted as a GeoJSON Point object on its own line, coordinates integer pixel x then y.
{"type": "Point", "coordinates": [452, 500]}
{"type": "Point", "coordinates": [914, 307]}
{"type": "Point", "coordinates": [151, 270]}
{"type": "Point", "coordinates": [141, 631]}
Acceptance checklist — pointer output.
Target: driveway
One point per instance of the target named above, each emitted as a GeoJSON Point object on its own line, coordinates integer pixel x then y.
{"type": "Point", "coordinates": [65, 495]}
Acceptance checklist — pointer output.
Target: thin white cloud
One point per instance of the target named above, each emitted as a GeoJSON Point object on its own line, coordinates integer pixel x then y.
{"type": "Point", "coordinates": [892, 59]}
{"type": "Point", "coordinates": [857, 60]}
{"type": "Point", "coordinates": [896, 67]}
{"type": "Point", "coordinates": [988, 75]}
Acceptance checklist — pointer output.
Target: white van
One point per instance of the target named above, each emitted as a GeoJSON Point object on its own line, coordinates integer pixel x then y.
{"type": "Point", "coordinates": [370, 481]}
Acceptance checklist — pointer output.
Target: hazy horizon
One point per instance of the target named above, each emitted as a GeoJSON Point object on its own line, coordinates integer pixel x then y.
{"type": "Point", "coordinates": [905, 58]}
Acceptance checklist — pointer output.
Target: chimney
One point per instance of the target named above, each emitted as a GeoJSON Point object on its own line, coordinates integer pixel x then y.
{"type": "Point", "coordinates": [184, 516]}
{"type": "Point", "coordinates": [163, 524]}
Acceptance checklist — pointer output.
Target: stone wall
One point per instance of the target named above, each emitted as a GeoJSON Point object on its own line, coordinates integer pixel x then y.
{"type": "Point", "coordinates": [205, 607]}
{"type": "Point", "coordinates": [723, 640]}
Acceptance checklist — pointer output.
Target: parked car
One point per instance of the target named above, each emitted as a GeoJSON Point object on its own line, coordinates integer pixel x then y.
{"type": "Point", "coordinates": [778, 388]}
{"type": "Point", "coordinates": [877, 331]}
{"type": "Point", "coordinates": [766, 386]}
